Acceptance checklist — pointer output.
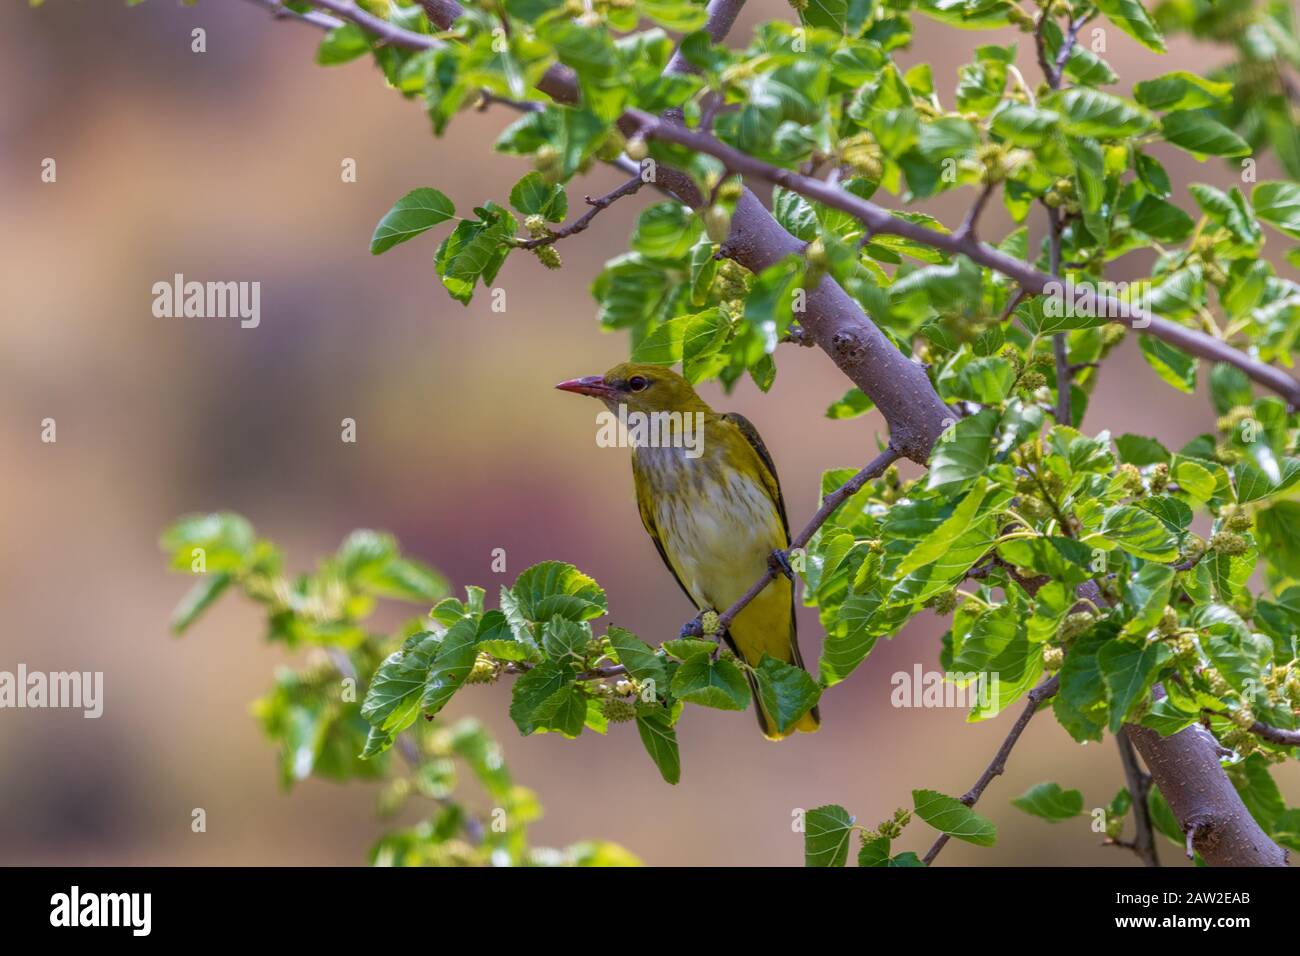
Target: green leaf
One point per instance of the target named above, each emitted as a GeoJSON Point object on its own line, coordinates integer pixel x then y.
{"type": "Point", "coordinates": [198, 599]}
{"type": "Point", "coordinates": [1173, 365]}
{"type": "Point", "coordinates": [1278, 531]}
{"type": "Point", "coordinates": [554, 588]}
{"type": "Point", "coordinates": [702, 680]}
{"type": "Point", "coordinates": [826, 836]}
{"type": "Point", "coordinates": [1088, 112]}
{"type": "Point", "coordinates": [1161, 220]}
{"type": "Point", "coordinates": [1131, 17]}
{"type": "Point", "coordinates": [416, 212]}
{"type": "Point", "coordinates": [1200, 134]}
{"type": "Point", "coordinates": [564, 711]}
{"type": "Point", "coordinates": [1049, 801]}
{"type": "Point", "coordinates": [1278, 204]}
{"type": "Point", "coordinates": [938, 541]}
{"type": "Point", "coordinates": [534, 196]}
{"type": "Point", "coordinates": [1140, 533]}
{"type": "Point", "coordinates": [532, 691]}
{"type": "Point", "coordinates": [475, 250]}
{"type": "Point", "coordinates": [1140, 450]}
{"type": "Point", "coordinates": [1129, 670]}
{"type": "Point", "coordinates": [954, 818]}
{"type": "Point", "coordinates": [787, 692]}
{"type": "Point", "coordinates": [393, 698]}
{"type": "Point", "coordinates": [666, 230]}
{"type": "Point", "coordinates": [660, 741]}
{"type": "Point", "coordinates": [851, 405]}
{"type": "Point", "coordinates": [963, 451]}
{"type": "Point", "coordinates": [1025, 125]}
{"type": "Point", "coordinates": [1182, 91]}
{"type": "Point", "coordinates": [664, 345]}
{"type": "Point", "coordinates": [638, 657]}
{"type": "Point", "coordinates": [451, 665]}
{"type": "Point", "coordinates": [342, 45]}
{"type": "Point", "coordinates": [223, 540]}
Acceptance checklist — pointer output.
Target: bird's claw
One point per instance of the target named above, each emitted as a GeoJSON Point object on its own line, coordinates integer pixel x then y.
{"type": "Point", "coordinates": [778, 560]}
{"type": "Point", "coordinates": [693, 627]}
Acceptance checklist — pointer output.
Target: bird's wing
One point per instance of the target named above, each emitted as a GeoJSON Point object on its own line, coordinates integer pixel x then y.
{"type": "Point", "coordinates": [769, 467]}
{"type": "Point", "coordinates": [643, 505]}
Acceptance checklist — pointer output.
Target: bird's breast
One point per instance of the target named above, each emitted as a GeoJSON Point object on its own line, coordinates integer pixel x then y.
{"type": "Point", "coordinates": [718, 524]}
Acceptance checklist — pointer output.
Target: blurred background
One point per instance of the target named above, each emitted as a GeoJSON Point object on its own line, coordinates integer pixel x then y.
{"type": "Point", "coordinates": [226, 166]}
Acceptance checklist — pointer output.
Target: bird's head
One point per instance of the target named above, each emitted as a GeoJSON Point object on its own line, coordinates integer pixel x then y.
{"type": "Point", "coordinates": [642, 388]}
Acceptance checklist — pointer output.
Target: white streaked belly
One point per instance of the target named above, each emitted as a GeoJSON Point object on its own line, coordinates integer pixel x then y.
{"type": "Point", "coordinates": [718, 549]}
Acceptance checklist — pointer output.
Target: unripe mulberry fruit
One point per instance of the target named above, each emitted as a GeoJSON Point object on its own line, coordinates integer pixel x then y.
{"type": "Point", "coordinates": [618, 711]}
{"type": "Point", "coordinates": [548, 256]}
{"type": "Point", "coordinates": [717, 223]}
{"type": "Point", "coordinates": [636, 148]}
{"type": "Point", "coordinates": [1228, 542]}
{"type": "Point", "coordinates": [709, 622]}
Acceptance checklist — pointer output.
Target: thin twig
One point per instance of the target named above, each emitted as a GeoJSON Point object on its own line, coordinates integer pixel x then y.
{"type": "Point", "coordinates": [966, 231]}
{"type": "Point", "coordinates": [580, 224]}
{"type": "Point", "coordinates": [315, 18]}
{"type": "Point", "coordinates": [386, 31]}
{"type": "Point", "coordinates": [1035, 697]}
{"type": "Point", "coordinates": [1139, 786]}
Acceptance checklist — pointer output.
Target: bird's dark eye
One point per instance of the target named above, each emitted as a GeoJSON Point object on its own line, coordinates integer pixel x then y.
{"type": "Point", "coordinates": [637, 383]}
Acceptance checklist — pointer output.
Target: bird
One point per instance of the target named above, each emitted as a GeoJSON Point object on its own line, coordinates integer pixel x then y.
{"type": "Point", "coordinates": [712, 505]}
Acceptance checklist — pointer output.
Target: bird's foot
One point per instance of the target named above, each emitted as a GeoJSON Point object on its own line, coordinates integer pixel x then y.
{"type": "Point", "coordinates": [693, 628]}
{"type": "Point", "coordinates": [778, 560]}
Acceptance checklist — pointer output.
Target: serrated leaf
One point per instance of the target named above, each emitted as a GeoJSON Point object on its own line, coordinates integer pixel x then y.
{"type": "Point", "coordinates": [953, 817]}
{"type": "Point", "coordinates": [416, 212]}
{"type": "Point", "coordinates": [826, 836]}
{"type": "Point", "coordinates": [1049, 801]}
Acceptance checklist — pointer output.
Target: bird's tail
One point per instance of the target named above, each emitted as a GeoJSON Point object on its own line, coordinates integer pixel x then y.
{"type": "Point", "coordinates": [767, 626]}
{"type": "Point", "coordinates": [808, 723]}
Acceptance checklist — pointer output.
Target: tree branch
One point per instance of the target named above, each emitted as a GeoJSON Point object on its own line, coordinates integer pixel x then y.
{"type": "Point", "coordinates": [580, 224]}
{"type": "Point", "coordinates": [1186, 768]}
{"type": "Point", "coordinates": [1139, 785]}
{"type": "Point", "coordinates": [278, 11]}
{"type": "Point", "coordinates": [1042, 692]}
{"type": "Point", "coordinates": [881, 221]}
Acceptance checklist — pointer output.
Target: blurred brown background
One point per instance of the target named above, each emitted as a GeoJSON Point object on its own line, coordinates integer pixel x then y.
{"type": "Point", "coordinates": [225, 166]}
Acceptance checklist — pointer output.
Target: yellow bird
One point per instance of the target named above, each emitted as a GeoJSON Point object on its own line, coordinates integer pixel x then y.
{"type": "Point", "coordinates": [709, 496]}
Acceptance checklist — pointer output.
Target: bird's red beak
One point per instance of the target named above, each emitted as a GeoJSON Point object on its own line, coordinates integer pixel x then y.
{"type": "Point", "coordinates": [592, 385]}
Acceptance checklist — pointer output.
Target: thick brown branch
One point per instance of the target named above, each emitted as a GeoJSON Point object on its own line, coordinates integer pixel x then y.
{"type": "Point", "coordinates": [1034, 698]}
{"type": "Point", "coordinates": [1186, 769]}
